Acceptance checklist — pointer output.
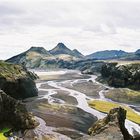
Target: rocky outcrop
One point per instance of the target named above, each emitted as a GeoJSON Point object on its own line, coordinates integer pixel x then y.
{"type": "Point", "coordinates": [16, 81]}
{"type": "Point", "coordinates": [14, 113]}
{"type": "Point", "coordinates": [110, 128]}
{"type": "Point", "coordinates": [122, 75]}
{"type": "Point", "coordinates": [85, 66]}
{"type": "Point", "coordinates": [113, 125]}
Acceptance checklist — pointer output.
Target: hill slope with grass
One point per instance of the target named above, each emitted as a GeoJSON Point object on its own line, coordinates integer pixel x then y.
{"type": "Point", "coordinates": [39, 57]}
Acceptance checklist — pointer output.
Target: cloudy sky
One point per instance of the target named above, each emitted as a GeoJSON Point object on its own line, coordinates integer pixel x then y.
{"type": "Point", "coordinates": [87, 25]}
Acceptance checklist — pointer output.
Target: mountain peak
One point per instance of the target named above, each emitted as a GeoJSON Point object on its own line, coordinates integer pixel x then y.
{"type": "Point", "coordinates": [137, 52]}
{"type": "Point", "coordinates": [61, 49]}
{"type": "Point", "coordinates": [61, 46]}
{"type": "Point", "coordinates": [38, 49]}
{"type": "Point", "coordinates": [77, 53]}
{"type": "Point", "coordinates": [75, 50]}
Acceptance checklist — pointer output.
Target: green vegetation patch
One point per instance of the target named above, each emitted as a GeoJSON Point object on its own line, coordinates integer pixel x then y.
{"type": "Point", "coordinates": [57, 107]}
{"type": "Point", "coordinates": [105, 107]}
{"type": "Point", "coordinates": [2, 137]}
{"type": "Point", "coordinates": [8, 71]}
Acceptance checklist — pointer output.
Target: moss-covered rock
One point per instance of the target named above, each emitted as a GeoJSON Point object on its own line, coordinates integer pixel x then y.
{"type": "Point", "coordinates": [16, 81]}
{"type": "Point", "coordinates": [14, 114]}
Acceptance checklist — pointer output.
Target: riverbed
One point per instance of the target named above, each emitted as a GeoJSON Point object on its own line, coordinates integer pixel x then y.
{"type": "Point", "coordinates": [63, 95]}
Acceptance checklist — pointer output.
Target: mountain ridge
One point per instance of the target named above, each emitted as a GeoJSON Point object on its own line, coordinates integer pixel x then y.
{"type": "Point", "coordinates": [62, 49]}
{"type": "Point", "coordinates": [107, 54]}
{"type": "Point", "coordinates": [39, 57]}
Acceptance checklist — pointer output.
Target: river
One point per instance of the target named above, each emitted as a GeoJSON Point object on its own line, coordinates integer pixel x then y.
{"type": "Point", "coordinates": [79, 96]}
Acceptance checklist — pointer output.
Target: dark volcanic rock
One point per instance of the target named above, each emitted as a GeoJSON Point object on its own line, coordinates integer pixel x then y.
{"type": "Point", "coordinates": [14, 113]}
{"type": "Point", "coordinates": [16, 81]}
{"type": "Point", "coordinates": [122, 75]}
{"type": "Point", "coordinates": [112, 127]}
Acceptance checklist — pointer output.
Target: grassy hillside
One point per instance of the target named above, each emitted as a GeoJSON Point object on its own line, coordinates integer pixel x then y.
{"type": "Point", "coordinates": [10, 71]}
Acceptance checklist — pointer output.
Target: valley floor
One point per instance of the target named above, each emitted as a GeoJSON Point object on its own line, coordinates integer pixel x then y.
{"type": "Point", "coordinates": [62, 105]}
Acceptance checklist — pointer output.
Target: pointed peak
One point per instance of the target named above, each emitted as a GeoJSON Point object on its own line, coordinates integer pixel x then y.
{"type": "Point", "coordinates": [77, 53]}
{"type": "Point", "coordinates": [61, 46]}
{"type": "Point", "coordinates": [75, 50]}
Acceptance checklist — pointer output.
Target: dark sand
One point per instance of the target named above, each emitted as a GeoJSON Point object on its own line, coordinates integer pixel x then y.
{"type": "Point", "coordinates": [46, 86]}
{"type": "Point", "coordinates": [67, 76]}
{"type": "Point", "coordinates": [66, 115]}
{"type": "Point", "coordinates": [89, 88]}
{"type": "Point", "coordinates": [63, 95]}
{"type": "Point", "coordinates": [56, 115]}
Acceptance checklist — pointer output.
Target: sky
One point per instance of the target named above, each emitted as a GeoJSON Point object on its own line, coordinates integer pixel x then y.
{"type": "Point", "coordinates": [86, 25]}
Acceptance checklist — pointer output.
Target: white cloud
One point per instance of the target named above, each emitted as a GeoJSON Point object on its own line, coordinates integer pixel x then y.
{"type": "Point", "coordinates": [88, 25]}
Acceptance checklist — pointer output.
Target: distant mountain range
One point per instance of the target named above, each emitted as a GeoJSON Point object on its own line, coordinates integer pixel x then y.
{"type": "Point", "coordinates": [39, 57]}
{"type": "Point", "coordinates": [107, 54]}
{"type": "Point", "coordinates": [114, 54]}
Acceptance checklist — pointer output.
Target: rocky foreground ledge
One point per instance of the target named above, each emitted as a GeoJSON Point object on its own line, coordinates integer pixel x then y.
{"type": "Point", "coordinates": [112, 127]}
{"type": "Point", "coordinates": [16, 82]}
{"type": "Point", "coordinates": [14, 115]}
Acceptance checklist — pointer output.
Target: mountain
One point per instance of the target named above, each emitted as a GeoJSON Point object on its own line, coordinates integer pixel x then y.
{"type": "Point", "coordinates": [61, 49]}
{"type": "Point", "coordinates": [77, 53]}
{"type": "Point", "coordinates": [107, 54]}
{"type": "Point", "coordinates": [137, 52]}
{"type": "Point", "coordinates": [132, 56]}
{"type": "Point", "coordinates": [115, 54]}
{"type": "Point", "coordinates": [39, 57]}
{"type": "Point", "coordinates": [33, 55]}
{"type": "Point", "coordinates": [39, 50]}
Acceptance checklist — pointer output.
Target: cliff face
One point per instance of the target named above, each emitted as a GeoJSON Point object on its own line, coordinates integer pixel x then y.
{"type": "Point", "coordinates": [16, 81]}
{"type": "Point", "coordinates": [13, 113]}
{"type": "Point", "coordinates": [122, 75]}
